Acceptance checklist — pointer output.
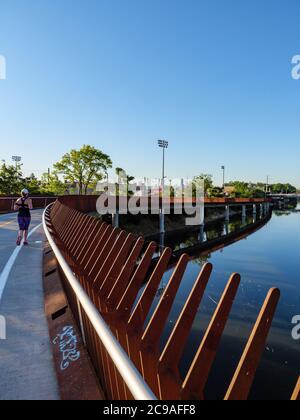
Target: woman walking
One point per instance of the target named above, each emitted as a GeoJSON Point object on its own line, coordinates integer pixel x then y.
{"type": "Point", "coordinates": [23, 205]}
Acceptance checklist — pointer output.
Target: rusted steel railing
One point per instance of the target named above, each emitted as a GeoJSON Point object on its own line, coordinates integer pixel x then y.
{"type": "Point", "coordinates": [7, 203]}
{"type": "Point", "coordinates": [111, 266]}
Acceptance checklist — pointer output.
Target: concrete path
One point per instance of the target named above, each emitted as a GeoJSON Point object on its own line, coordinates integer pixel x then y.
{"type": "Point", "coordinates": [26, 365]}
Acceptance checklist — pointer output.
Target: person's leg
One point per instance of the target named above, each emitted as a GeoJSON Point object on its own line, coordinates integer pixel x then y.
{"type": "Point", "coordinates": [26, 231]}
{"type": "Point", "coordinates": [20, 237]}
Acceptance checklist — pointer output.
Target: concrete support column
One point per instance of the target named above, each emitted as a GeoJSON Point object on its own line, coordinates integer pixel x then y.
{"type": "Point", "coordinates": [244, 212]}
{"type": "Point", "coordinates": [161, 243]}
{"type": "Point", "coordinates": [227, 213]}
{"type": "Point", "coordinates": [254, 209]}
{"type": "Point", "coordinates": [116, 219]}
{"type": "Point", "coordinates": [161, 221]}
{"type": "Point", "coordinates": [226, 228]}
{"type": "Point", "coordinates": [201, 233]}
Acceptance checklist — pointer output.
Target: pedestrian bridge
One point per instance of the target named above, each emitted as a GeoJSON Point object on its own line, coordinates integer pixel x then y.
{"type": "Point", "coordinates": [110, 283]}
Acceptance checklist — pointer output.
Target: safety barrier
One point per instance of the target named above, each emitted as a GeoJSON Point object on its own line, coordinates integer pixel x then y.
{"type": "Point", "coordinates": [7, 203]}
{"type": "Point", "coordinates": [104, 269]}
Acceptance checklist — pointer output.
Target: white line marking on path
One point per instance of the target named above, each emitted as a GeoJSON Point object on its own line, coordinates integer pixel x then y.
{"type": "Point", "coordinates": [10, 263]}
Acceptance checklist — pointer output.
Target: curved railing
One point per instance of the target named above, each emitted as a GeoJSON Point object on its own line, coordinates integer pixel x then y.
{"type": "Point", "coordinates": [131, 376]}
{"type": "Point", "coordinates": [7, 203]}
{"type": "Point", "coordinates": [103, 271]}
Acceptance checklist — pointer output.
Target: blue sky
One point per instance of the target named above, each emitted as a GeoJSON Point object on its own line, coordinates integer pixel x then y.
{"type": "Point", "coordinates": [212, 77]}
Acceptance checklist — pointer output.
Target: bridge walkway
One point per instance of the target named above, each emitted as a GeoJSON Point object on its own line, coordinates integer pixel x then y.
{"type": "Point", "coordinates": [26, 364]}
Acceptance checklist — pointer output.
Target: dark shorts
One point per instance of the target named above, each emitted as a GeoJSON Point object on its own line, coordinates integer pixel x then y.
{"type": "Point", "coordinates": [24, 222]}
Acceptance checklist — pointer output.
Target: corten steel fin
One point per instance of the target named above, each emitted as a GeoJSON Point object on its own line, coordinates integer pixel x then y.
{"type": "Point", "coordinates": [94, 247]}
{"type": "Point", "coordinates": [195, 381]}
{"type": "Point", "coordinates": [98, 258]}
{"type": "Point", "coordinates": [149, 347]}
{"type": "Point", "coordinates": [82, 240]}
{"type": "Point", "coordinates": [296, 393]}
{"type": "Point", "coordinates": [112, 267]}
{"type": "Point", "coordinates": [159, 318]}
{"type": "Point", "coordinates": [114, 263]}
{"type": "Point", "coordinates": [169, 375]}
{"type": "Point", "coordinates": [93, 227]}
{"type": "Point", "coordinates": [122, 282]}
{"type": "Point", "coordinates": [81, 233]}
{"type": "Point", "coordinates": [143, 306]}
{"type": "Point", "coordinates": [117, 266]}
{"type": "Point", "coordinates": [136, 282]}
{"type": "Point", "coordinates": [244, 376]}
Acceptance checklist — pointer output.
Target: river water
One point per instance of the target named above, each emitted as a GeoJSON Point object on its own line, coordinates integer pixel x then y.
{"type": "Point", "coordinates": [267, 258]}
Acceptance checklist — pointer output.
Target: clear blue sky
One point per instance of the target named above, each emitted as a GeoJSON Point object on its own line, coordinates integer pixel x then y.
{"type": "Point", "coordinates": [212, 77]}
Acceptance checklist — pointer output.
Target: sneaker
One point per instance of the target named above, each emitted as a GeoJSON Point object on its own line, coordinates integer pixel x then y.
{"type": "Point", "coordinates": [26, 243]}
{"type": "Point", "coordinates": [18, 242]}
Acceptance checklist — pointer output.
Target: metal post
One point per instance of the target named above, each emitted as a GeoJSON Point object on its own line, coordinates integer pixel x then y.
{"type": "Point", "coordinates": [227, 213]}
{"type": "Point", "coordinates": [164, 145]}
{"type": "Point", "coordinates": [116, 219]}
{"type": "Point", "coordinates": [244, 212]}
{"type": "Point", "coordinates": [201, 233]}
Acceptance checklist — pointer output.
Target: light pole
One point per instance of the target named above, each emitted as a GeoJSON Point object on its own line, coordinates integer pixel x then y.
{"type": "Point", "coordinates": [17, 160]}
{"type": "Point", "coordinates": [267, 186]}
{"type": "Point", "coordinates": [223, 169]}
{"type": "Point", "coordinates": [164, 145]}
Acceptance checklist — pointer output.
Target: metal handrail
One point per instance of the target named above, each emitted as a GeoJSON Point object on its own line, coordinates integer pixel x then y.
{"type": "Point", "coordinates": [130, 374]}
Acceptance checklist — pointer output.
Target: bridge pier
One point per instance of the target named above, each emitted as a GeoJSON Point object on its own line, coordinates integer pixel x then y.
{"type": "Point", "coordinates": [226, 228]}
{"type": "Point", "coordinates": [201, 233]}
{"type": "Point", "coordinates": [162, 221]}
{"type": "Point", "coordinates": [261, 210]}
{"type": "Point", "coordinates": [244, 212]}
{"type": "Point", "coordinates": [227, 213]}
{"type": "Point", "coordinates": [161, 243]}
{"type": "Point", "coordinates": [116, 219]}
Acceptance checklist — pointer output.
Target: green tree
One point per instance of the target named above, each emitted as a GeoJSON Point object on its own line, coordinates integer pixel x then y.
{"type": "Point", "coordinates": [51, 184]}
{"type": "Point", "coordinates": [83, 167]}
{"type": "Point", "coordinates": [10, 180]}
{"type": "Point", "coordinates": [198, 183]}
{"type": "Point", "coordinates": [124, 180]}
{"type": "Point", "coordinates": [283, 189]}
{"type": "Point", "coordinates": [32, 184]}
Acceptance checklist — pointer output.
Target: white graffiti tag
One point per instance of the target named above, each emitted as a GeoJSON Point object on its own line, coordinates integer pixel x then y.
{"type": "Point", "coordinates": [67, 342]}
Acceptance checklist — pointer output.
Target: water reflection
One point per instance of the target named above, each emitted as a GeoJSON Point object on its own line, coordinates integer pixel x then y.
{"type": "Point", "coordinates": [206, 234]}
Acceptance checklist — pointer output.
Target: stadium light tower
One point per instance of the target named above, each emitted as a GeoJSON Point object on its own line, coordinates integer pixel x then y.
{"type": "Point", "coordinates": [223, 169]}
{"type": "Point", "coordinates": [164, 145]}
{"type": "Point", "coordinates": [17, 160]}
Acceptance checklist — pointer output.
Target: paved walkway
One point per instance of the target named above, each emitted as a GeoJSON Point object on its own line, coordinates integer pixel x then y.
{"type": "Point", "coordinates": [26, 366]}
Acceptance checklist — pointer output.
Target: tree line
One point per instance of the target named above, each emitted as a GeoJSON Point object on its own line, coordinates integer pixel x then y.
{"type": "Point", "coordinates": [79, 171]}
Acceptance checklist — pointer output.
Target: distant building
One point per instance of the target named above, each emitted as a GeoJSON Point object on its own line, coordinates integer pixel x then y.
{"type": "Point", "coordinates": [229, 190]}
